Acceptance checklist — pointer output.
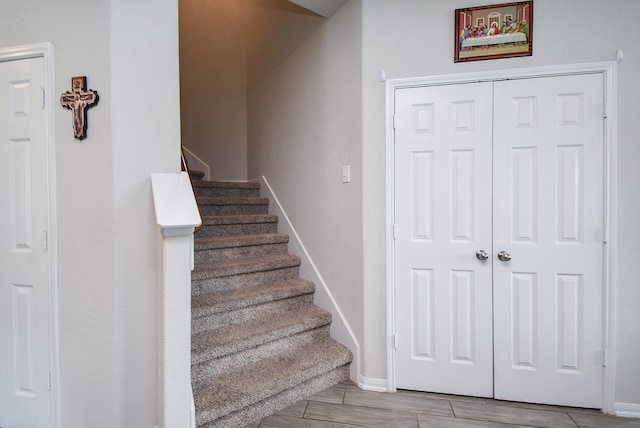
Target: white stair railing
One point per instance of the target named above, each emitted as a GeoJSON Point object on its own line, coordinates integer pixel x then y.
{"type": "Point", "coordinates": [177, 217]}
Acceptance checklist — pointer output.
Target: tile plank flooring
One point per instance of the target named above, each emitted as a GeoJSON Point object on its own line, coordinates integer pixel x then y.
{"type": "Point", "coordinates": [345, 405]}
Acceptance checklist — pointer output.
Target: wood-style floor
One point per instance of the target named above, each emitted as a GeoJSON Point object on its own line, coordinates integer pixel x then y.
{"type": "Point", "coordinates": [345, 405]}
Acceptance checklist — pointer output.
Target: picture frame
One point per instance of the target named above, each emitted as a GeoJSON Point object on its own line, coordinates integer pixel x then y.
{"type": "Point", "coordinates": [494, 31]}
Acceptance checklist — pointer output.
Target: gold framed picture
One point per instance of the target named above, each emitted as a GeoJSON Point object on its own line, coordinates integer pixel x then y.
{"type": "Point", "coordinates": [494, 31]}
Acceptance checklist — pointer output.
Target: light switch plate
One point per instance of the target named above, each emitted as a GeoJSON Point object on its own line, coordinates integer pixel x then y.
{"type": "Point", "coordinates": [346, 173]}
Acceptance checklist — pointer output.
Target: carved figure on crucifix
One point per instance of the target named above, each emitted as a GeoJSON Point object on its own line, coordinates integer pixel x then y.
{"type": "Point", "coordinates": [79, 100]}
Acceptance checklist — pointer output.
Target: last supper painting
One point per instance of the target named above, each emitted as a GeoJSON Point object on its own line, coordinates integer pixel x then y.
{"type": "Point", "coordinates": [494, 31]}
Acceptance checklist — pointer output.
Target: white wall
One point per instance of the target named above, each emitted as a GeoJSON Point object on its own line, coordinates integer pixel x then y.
{"type": "Point", "coordinates": [145, 98]}
{"type": "Point", "coordinates": [303, 125]}
{"type": "Point", "coordinates": [415, 38]}
{"type": "Point", "coordinates": [213, 82]}
{"type": "Point", "coordinates": [225, 47]}
{"type": "Point", "coordinates": [107, 253]}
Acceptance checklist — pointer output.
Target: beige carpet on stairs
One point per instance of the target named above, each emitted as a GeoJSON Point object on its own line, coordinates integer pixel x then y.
{"type": "Point", "coordinates": [259, 343]}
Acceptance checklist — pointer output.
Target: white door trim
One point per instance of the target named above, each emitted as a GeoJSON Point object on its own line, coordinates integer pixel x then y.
{"type": "Point", "coordinates": [609, 70]}
{"type": "Point", "coordinates": [46, 51]}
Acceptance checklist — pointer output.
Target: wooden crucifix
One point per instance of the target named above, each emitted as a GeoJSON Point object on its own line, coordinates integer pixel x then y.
{"type": "Point", "coordinates": [79, 100]}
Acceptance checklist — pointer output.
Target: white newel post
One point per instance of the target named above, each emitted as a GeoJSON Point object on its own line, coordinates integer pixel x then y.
{"type": "Point", "coordinates": [177, 216]}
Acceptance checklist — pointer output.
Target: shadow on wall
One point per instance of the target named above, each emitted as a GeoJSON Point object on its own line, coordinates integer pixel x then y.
{"type": "Point", "coordinates": [234, 38]}
{"type": "Point", "coordinates": [226, 47]}
{"type": "Point", "coordinates": [275, 29]}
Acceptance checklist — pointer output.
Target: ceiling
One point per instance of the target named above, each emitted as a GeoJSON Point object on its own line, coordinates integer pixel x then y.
{"type": "Point", "coordinates": [324, 8]}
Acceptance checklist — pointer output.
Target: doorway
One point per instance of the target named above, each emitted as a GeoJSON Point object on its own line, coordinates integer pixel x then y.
{"type": "Point", "coordinates": [499, 249]}
{"type": "Point", "coordinates": [28, 381]}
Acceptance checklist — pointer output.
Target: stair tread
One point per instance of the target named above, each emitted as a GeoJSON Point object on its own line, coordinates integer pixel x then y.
{"type": "Point", "coordinates": [239, 241]}
{"type": "Point", "coordinates": [232, 200]}
{"type": "Point", "coordinates": [244, 265]}
{"type": "Point", "coordinates": [222, 395]}
{"type": "Point", "coordinates": [212, 344]}
{"type": "Point", "coordinates": [213, 220]}
{"type": "Point", "coordinates": [229, 184]}
{"type": "Point", "coordinates": [222, 301]}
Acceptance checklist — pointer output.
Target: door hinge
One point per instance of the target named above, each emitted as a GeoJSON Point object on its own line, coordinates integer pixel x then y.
{"type": "Point", "coordinates": [394, 341]}
{"type": "Point", "coordinates": [604, 358]}
{"type": "Point", "coordinates": [45, 240]}
{"type": "Point", "coordinates": [49, 381]}
{"type": "Point", "coordinates": [42, 97]}
{"type": "Point", "coordinates": [606, 110]}
{"type": "Point", "coordinates": [395, 232]}
{"type": "Point", "coordinates": [394, 121]}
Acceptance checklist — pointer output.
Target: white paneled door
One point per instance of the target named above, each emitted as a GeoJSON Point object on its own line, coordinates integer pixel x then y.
{"type": "Point", "coordinates": [443, 217]}
{"type": "Point", "coordinates": [25, 328]}
{"type": "Point", "coordinates": [549, 217]}
{"type": "Point", "coordinates": [499, 232]}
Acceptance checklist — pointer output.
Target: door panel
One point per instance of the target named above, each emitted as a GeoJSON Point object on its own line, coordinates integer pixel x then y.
{"type": "Point", "coordinates": [443, 191]}
{"type": "Point", "coordinates": [25, 398]}
{"type": "Point", "coordinates": [548, 214]}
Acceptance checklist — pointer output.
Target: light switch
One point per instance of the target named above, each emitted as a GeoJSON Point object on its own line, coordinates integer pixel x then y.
{"type": "Point", "coordinates": [346, 173]}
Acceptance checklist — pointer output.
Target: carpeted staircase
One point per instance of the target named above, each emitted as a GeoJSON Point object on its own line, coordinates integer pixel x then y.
{"type": "Point", "coordinates": [258, 342]}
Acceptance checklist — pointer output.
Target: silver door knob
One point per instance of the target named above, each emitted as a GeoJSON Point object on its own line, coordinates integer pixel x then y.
{"type": "Point", "coordinates": [504, 256]}
{"type": "Point", "coordinates": [482, 255]}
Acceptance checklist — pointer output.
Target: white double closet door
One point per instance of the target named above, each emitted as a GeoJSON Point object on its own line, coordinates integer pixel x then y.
{"type": "Point", "coordinates": [511, 171]}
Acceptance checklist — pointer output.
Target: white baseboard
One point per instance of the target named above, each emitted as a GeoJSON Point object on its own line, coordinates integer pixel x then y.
{"type": "Point", "coordinates": [627, 410]}
{"type": "Point", "coordinates": [373, 384]}
{"type": "Point", "coordinates": [193, 411]}
{"type": "Point", "coordinates": [340, 329]}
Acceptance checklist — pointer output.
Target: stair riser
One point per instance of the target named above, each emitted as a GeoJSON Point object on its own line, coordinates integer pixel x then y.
{"type": "Point", "coordinates": [225, 319]}
{"type": "Point", "coordinates": [270, 405]}
{"type": "Point", "coordinates": [233, 282]}
{"type": "Point", "coordinates": [230, 268]}
{"type": "Point", "coordinates": [206, 192]}
{"type": "Point", "coordinates": [235, 209]}
{"type": "Point", "coordinates": [204, 371]}
{"type": "Point", "coordinates": [221, 254]}
{"type": "Point", "coordinates": [196, 175]}
{"type": "Point", "coordinates": [209, 231]}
